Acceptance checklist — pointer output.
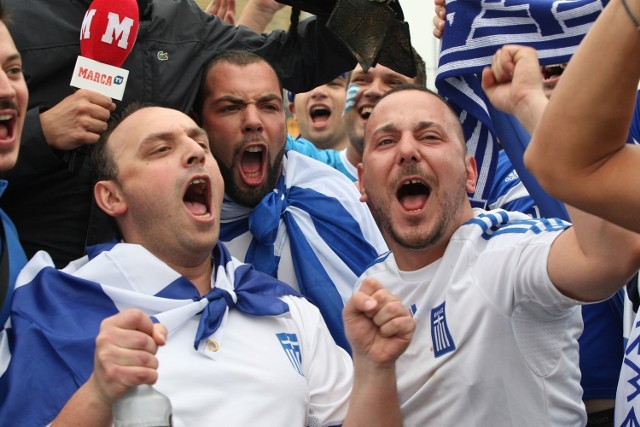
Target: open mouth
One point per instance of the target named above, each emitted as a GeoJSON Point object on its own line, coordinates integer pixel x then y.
{"type": "Point", "coordinates": [552, 71]}
{"type": "Point", "coordinates": [197, 197]}
{"type": "Point", "coordinates": [365, 112]}
{"type": "Point", "coordinates": [7, 126]}
{"type": "Point", "coordinates": [319, 114]}
{"type": "Point", "coordinates": [413, 194]}
{"type": "Point", "coordinates": [252, 164]}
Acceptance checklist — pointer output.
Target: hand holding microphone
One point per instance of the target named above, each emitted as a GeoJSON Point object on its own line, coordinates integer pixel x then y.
{"type": "Point", "coordinates": [77, 120]}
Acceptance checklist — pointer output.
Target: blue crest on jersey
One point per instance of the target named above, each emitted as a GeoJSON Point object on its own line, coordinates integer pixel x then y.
{"type": "Point", "coordinates": [440, 335]}
{"type": "Point", "coordinates": [291, 347]}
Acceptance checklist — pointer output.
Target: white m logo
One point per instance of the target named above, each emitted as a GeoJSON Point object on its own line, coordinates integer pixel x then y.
{"type": "Point", "coordinates": [118, 30]}
{"type": "Point", "coordinates": [85, 32]}
{"type": "Point", "coordinates": [115, 28]}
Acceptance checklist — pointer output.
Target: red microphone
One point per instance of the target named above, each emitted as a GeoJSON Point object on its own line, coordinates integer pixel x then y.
{"type": "Point", "coordinates": [107, 36]}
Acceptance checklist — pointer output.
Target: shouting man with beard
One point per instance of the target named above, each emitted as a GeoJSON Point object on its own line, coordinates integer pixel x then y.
{"type": "Point", "coordinates": [291, 216]}
{"type": "Point", "coordinates": [496, 295]}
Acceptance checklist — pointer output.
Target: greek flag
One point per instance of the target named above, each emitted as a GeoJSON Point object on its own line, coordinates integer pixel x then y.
{"type": "Point", "coordinates": [332, 235]}
{"type": "Point", "coordinates": [474, 30]}
{"type": "Point", "coordinates": [47, 348]}
{"type": "Point", "coordinates": [440, 335]}
{"type": "Point", "coordinates": [291, 347]}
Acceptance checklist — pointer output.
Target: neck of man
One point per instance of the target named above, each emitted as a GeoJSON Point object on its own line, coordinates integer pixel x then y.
{"type": "Point", "coordinates": [199, 275]}
{"type": "Point", "coordinates": [412, 259]}
{"type": "Point", "coordinates": [353, 155]}
{"type": "Point", "coordinates": [342, 144]}
{"type": "Point", "coordinates": [196, 267]}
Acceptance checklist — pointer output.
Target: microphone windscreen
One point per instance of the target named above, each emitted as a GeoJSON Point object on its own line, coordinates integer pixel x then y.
{"type": "Point", "coordinates": [109, 31]}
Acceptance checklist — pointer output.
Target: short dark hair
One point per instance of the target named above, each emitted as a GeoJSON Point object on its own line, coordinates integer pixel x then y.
{"type": "Point", "coordinates": [421, 69]}
{"type": "Point", "coordinates": [420, 78]}
{"type": "Point", "coordinates": [241, 58]}
{"type": "Point", "coordinates": [4, 16]}
{"type": "Point", "coordinates": [103, 166]}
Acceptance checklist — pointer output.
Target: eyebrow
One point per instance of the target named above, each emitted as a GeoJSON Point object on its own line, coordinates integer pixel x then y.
{"type": "Point", "coordinates": [12, 59]}
{"type": "Point", "coordinates": [15, 56]}
{"type": "Point", "coordinates": [192, 132]}
{"type": "Point", "coordinates": [421, 125]}
{"type": "Point", "coordinates": [239, 101]}
{"type": "Point", "coordinates": [424, 124]}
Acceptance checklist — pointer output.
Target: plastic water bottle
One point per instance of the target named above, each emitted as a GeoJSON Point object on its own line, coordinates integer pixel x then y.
{"type": "Point", "coordinates": [142, 406]}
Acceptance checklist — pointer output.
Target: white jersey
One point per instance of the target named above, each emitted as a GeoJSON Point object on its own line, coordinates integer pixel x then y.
{"type": "Point", "coordinates": [277, 371]}
{"type": "Point", "coordinates": [496, 342]}
{"type": "Point", "coordinates": [254, 369]}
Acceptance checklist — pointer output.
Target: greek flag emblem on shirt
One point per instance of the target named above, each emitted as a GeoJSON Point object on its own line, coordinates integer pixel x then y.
{"type": "Point", "coordinates": [440, 335]}
{"type": "Point", "coordinates": [291, 347]}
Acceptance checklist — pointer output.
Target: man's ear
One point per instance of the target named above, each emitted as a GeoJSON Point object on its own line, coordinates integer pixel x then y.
{"type": "Point", "coordinates": [292, 108]}
{"type": "Point", "coordinates": [109, 198]}
{"type": "Point", "coordinates": [472, 174]}
{"type": "Point", "coordinates": [363, 192]}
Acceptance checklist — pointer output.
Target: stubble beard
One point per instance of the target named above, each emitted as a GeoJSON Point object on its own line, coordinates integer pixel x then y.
{"type": "Point", "coordinates": [252, 196]}
{"type": "Point", "coordinates": [355, 132]}
{"type": "Point", "coordinates": [412, 237]}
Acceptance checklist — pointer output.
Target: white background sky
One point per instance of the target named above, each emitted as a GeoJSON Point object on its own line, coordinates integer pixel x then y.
{"type": "Point", "coordinates": [419, 14]}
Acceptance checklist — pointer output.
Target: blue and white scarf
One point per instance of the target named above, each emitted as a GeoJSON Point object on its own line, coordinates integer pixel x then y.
{"type": "Point", "coordinates": [320, 210]}
{"type": "Point", "coordinates": [627, 409]}
{"type": "Point", "coordinates": [46, 352]}
{"type": "Point", "coordinates": [474, 30]}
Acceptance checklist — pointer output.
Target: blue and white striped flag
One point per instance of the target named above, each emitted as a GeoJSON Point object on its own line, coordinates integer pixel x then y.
{"type": "Point", "coordinates": [332, 235]}
{"type": "Point", "coordinates": [474, 30]}
{"type": "Point", "coordinates": [47, 348]}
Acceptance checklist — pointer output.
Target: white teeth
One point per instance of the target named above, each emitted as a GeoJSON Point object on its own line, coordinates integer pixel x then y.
{"type": "Point", "coordinates": [254, 149]}
{"type": "Point", "coordinates": [5, 116]}
{"type": "Point", "coordinates": [201, 182]}
{"type": "Point", "coordinates": [367, 110]}
{"type": "Point", "coordinates": [413, 181]}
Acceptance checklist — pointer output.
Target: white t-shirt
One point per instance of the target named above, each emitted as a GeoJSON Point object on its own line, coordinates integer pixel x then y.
{"type": "Point", "coordinates": [254, 370]}
{"type": "Point", "coordinates": [496, 342]}
{"type": "Point", "coordinates": [237, 384]}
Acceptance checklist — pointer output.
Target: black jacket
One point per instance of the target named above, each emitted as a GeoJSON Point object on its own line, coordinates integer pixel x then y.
{"type": "Point", "coordinates": [50, 199]}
